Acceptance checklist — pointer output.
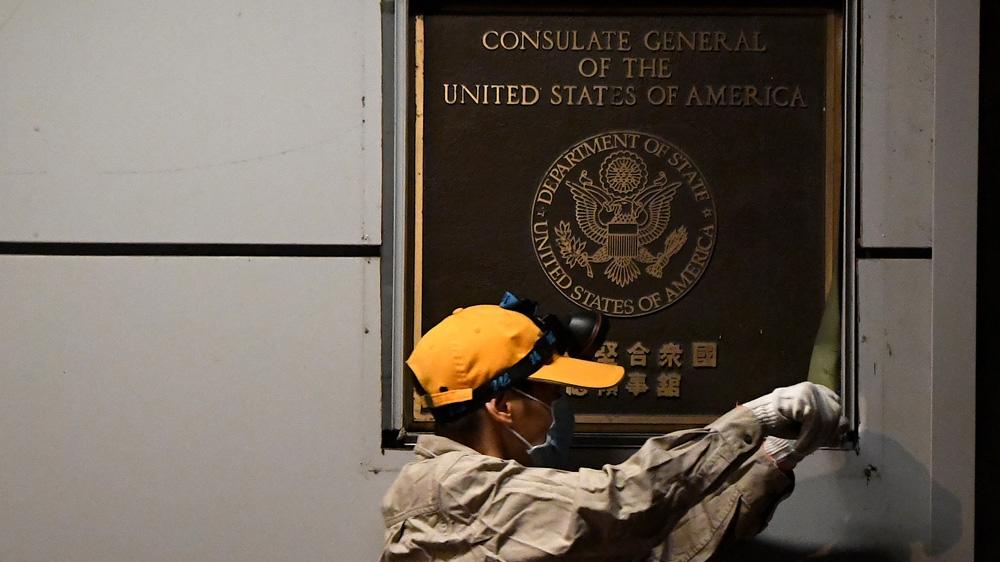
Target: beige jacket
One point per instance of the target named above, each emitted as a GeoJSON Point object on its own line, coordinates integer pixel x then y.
{"type": "Point", "coordinates": [675, 499]}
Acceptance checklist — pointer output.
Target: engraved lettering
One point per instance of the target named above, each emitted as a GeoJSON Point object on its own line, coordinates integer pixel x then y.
{"type": "Point", "coordinates": [491, 94]}
{"type": "Point", "coordinates": [557, 40]}
{"type": "Point", "coordinates": [662, 95]}
{"type": "Point", "coordinates": [744, 95]}
{"type": "Point", "coordinates": [703, 41]}
{"type": "Point", "coordinates": [647, 67]}
{"type": "Point", "coordinates": [547, 257]}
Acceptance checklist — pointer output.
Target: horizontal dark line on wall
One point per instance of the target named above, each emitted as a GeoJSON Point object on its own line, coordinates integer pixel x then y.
{"type": "Point", "coordinates": [894, 253]}
{"type": "Point", "coordinates": [171, 249]}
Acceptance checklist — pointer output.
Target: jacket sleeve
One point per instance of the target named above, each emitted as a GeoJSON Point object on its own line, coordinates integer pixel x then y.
{"type": "Point", "coordinates": [617, 513]}
{"type": "Point", "coordinates": [739, 509]}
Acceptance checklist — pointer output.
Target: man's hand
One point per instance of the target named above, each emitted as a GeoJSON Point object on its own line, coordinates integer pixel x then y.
{"type": "Point", "coordinates": [806, 412]}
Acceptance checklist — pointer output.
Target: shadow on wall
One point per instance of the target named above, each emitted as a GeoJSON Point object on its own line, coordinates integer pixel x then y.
{"type": "Point", "coordinates": [874, 507]}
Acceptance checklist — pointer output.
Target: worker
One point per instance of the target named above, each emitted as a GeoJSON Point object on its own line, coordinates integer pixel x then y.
{"type": "Point", "coordinates": [494, 379]}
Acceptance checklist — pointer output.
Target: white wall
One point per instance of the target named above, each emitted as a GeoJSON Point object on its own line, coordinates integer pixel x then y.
{"type": "Point", "coordinates": [179, 408]}
{"type": "Point", "coordinates": [188, 121]}
{"type": "Point", "coordinates": [897, 122]}
{"type": "Point", "coordinates": [226, 408]}
{"type": "Point", "coordinates": [188, 408]}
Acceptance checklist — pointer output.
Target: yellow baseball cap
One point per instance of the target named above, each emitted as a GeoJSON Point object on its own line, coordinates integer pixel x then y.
{"type": "Point", "coordinates": [476, 347]}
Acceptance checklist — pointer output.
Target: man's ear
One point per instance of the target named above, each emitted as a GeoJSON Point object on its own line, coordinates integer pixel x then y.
{"type": "Point", "coordinates": [498, 409]}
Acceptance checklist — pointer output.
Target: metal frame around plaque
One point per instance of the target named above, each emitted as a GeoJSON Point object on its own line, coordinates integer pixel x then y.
{"type": "Point", "coordinates": [403, 207]}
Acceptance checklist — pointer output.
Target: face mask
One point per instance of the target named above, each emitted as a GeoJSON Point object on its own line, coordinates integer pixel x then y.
{"type": "Point", "coordinates": [553, 452]}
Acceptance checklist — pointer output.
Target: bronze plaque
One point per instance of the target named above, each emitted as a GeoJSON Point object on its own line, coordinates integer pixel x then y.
{"type": "Point", "coordinates": [677, 169]}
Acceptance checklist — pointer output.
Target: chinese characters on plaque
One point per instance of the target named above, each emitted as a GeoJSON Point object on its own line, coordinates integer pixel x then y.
{"type": "Point", "coordinates": [662, 373]}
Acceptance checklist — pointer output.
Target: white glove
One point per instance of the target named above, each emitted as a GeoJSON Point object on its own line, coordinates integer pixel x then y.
{"type": "Point", "coordinates": [807, 412]}
{"type": "Point", "coordinates": [782, 451]}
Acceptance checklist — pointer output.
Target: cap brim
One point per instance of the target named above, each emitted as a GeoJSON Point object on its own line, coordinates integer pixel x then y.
{"type": "Point", "coordinates": [578, 372]}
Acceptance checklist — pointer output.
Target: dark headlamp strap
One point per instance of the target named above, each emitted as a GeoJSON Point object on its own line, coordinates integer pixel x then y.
{"type": "Point", "coordinates": [510, 301]}
{"type": "Point", "coordinates": [548, 324]}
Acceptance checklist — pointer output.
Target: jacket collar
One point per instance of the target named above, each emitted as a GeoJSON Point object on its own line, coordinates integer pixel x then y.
{"type": "Point", "coordinates": [429, 446]}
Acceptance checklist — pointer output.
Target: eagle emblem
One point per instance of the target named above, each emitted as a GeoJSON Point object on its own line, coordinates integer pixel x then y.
{"type": "Point", "coordinates": [623, 214]}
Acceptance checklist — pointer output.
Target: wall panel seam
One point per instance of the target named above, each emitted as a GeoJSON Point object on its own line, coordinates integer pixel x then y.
{"type": "Point", "coordinates": [189, 249]}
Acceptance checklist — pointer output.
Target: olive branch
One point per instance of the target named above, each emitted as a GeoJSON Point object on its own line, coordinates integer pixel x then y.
{"type": "Point", "coordinates": [572, 249]}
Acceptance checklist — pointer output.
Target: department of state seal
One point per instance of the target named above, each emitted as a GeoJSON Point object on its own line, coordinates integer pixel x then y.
{"type": "Point", "coordinates": [623, 222]}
